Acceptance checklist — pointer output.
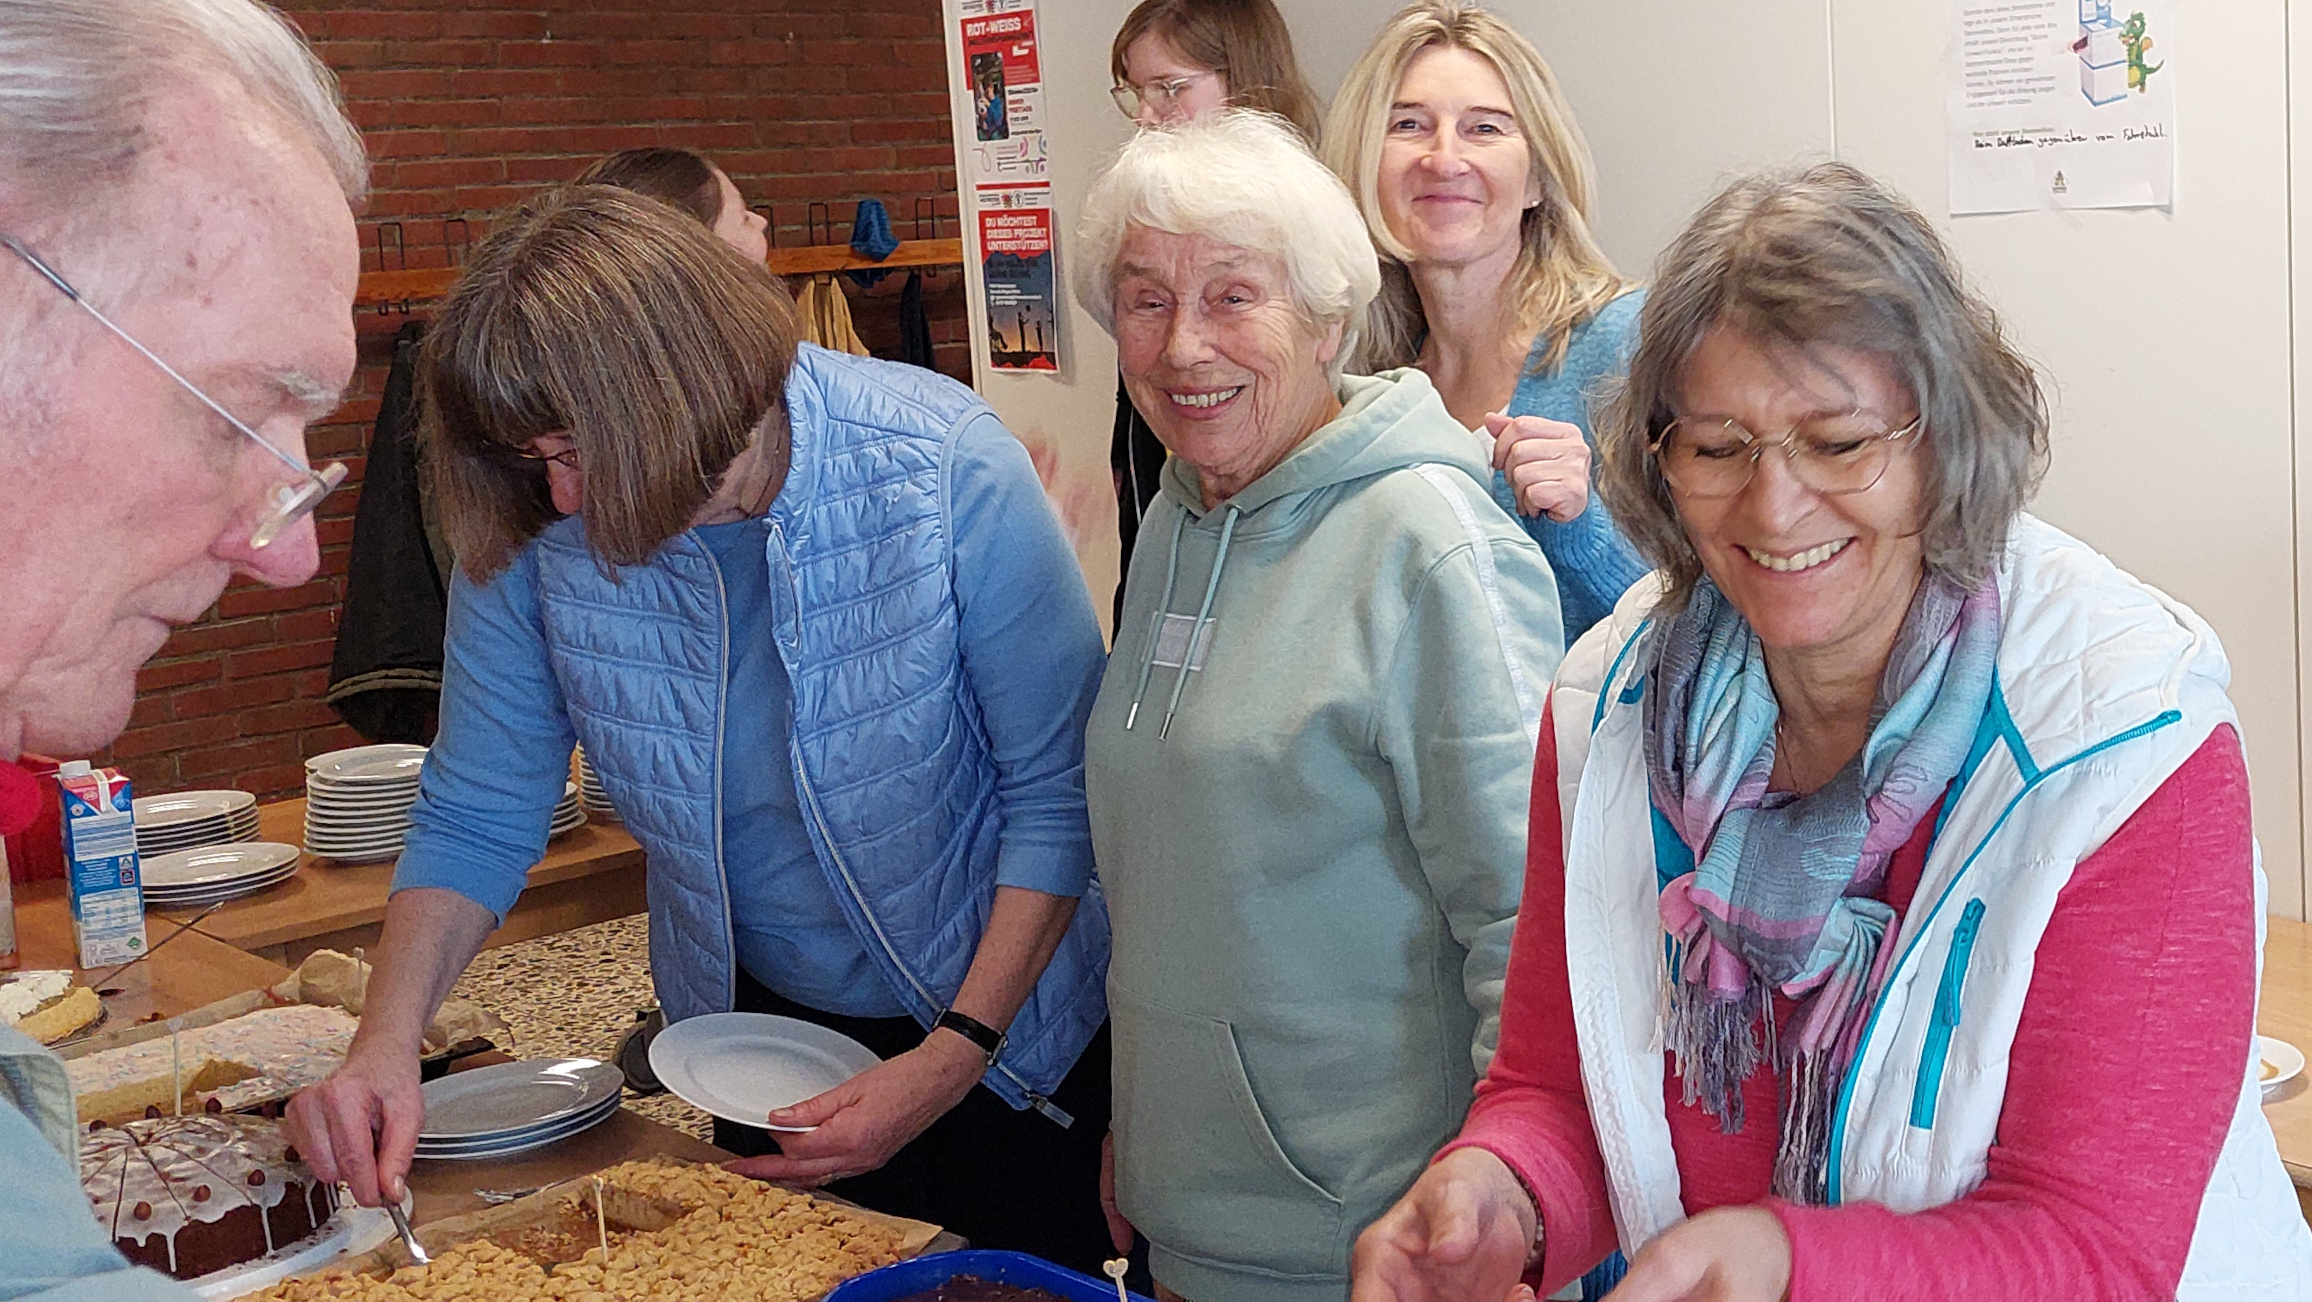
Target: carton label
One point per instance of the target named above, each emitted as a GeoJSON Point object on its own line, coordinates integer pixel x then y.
{"type": "Point", "coordinates": [101, 867]}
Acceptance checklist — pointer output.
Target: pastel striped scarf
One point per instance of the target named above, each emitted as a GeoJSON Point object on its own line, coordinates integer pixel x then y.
{"type": "Point", "coordinates": [1781, 897]}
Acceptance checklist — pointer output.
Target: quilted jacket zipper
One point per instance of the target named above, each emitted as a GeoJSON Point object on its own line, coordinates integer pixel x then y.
{"type": "Point", "coordinates": [1929, 1086]}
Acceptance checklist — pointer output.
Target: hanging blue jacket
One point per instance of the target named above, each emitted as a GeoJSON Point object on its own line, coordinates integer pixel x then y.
{"type": "Point", "coordinates": [911, 819]}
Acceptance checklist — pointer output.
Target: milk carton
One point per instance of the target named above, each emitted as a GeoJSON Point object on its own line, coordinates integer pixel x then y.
{"type": "Point", "coordinates": [100, 864]}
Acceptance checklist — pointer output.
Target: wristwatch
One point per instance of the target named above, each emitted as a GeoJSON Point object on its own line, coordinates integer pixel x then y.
{"type": "Point", "coordinates": [990, 1040]}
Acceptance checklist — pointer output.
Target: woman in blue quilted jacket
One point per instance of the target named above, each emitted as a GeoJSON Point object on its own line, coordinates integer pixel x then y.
{"type": "Point", "coordinates": [830, 654]}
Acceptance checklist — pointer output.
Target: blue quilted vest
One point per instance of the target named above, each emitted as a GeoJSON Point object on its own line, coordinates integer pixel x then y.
{"type": "Point", "coordinates": [891, 763]}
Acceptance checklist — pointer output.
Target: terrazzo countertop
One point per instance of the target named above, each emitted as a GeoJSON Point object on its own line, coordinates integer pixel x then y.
{"type": "Point", "coordinates": [571, 995]}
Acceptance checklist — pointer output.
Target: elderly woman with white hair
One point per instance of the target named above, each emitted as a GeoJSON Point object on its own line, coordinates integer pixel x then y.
{"type": "Point", "coordinates": [1309, 760]}
{"type": "Point", "coordinates": [1892, 917]}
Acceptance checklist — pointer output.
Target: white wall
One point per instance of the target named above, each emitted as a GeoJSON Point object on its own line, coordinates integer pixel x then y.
{"type": "Point", "coordinates": [2167, 336]}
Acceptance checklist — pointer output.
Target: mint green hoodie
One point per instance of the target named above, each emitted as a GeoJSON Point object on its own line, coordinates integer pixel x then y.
{"type": "Point", "coordinates": [1313, 847]}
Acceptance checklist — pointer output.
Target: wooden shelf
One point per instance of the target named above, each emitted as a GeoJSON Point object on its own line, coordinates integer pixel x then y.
{"type": "Point", "coordinates": [392, 288]}
{"type": "Point", "coordinates": [818, 259]}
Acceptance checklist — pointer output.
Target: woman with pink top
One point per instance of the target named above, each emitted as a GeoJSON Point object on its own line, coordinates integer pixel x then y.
{"type": "Point", "coordinates": [1891, 916]}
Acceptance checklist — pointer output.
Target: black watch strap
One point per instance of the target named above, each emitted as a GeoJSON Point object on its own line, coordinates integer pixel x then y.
{"type": "Point", "coordinates": [989, 1039]}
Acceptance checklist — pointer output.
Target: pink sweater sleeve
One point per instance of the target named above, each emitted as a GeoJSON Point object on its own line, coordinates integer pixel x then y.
{"type": "Point", "coordinates": [1530, 1110]}
{"type": "Point", "coordinates": [2125, 1070]}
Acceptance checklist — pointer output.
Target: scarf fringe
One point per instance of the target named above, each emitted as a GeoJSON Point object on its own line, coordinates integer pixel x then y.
{"type": "Point", "coordinates": [1717, 1047]}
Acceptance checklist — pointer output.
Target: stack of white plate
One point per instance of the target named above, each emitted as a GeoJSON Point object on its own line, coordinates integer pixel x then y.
{"type": "Point", "coordinates": [187, 879]}
{"type": "Point", "coordinates": [357, 801]}
{"type": "Point", "coordinates": [597, 797]}
{"type": "Point", "coordinates": [183, 820]}
{"type": "Point", "coordinates": [514, 1107]}
{"type": "Point", "coordinates": [569, 815]}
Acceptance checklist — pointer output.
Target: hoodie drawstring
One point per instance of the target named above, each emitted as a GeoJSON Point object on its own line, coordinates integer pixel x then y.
{"type": "Point", "coordinates": [1148, 666]}
{"type": "Point", "coordinates": [1196, 630]}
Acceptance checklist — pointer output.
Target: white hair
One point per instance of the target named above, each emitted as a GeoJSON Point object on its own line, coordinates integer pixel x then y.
{"type": "Point", "coordinates": [78, 81]}
{"type": "Point", "coordinates": [1242, 178]}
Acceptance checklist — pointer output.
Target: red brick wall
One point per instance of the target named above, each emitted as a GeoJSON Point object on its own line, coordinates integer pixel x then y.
{"type": "Point", "coordinates": [469, 105]}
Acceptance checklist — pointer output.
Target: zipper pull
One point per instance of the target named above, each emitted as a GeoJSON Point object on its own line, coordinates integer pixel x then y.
{"type": "Point", "coordinates": [1955, 968]}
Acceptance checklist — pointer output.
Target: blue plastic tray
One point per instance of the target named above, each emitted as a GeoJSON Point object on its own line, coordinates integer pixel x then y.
{"type": "Point", "coordinates": [924, 1273]}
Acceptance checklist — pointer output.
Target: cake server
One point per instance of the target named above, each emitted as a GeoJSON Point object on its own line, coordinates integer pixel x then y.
{"type": "Point", "coordinates": [408, 1240]}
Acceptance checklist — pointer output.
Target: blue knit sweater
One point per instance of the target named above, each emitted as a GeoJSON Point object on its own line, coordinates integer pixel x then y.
{"type": "Point", "coordinates": [1594, 563]}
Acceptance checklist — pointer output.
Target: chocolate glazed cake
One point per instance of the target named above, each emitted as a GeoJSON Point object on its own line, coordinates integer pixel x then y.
{"type": "Point", "coordinates": [191, 1195]}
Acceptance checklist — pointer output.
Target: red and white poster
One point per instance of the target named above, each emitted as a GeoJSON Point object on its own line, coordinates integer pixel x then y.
{"type": "Point", "coordinates": [1005, 73]}
{"type": "Point", "coordinates": [1007, 175]}
{"type": "Point", "coordinates": [1022, 289]}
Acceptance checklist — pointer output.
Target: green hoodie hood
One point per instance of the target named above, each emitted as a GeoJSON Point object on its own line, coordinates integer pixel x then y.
{"type": "Point", "coordinates": [1308, 772]}
{"type": "Point", "coordinates": [1390, 421]}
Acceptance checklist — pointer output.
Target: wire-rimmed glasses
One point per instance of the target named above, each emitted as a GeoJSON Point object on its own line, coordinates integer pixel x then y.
{"type": "Point", "coordinates": [1832, 455]}
{"type": "Point", "coordinates": [291, 502]}
{"type": "Point", "coordinates": [1157, 94]}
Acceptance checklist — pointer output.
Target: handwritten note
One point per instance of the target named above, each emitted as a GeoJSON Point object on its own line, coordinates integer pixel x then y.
{"type": "Point", "coordinates": [2062, 104]}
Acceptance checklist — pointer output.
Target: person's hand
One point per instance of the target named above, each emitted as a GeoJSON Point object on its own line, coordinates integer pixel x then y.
{"type": "Point", "coordinates": [1120, 1231]}
{"type": "Point", "coordinates": [871, 1116]}
{"type": "Point", "coordinates": [1462, 1233]}
{"type": "Point", "coordinates": [360, 1124]}
{"type": "Point", "coordinates": [1726, 1254]}
{"type": "Point", "coordinates": [1547, 463]}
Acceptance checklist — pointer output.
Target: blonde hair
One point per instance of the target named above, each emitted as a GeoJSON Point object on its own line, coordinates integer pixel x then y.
{"type": "Point", "coordinates": [1563, 277]}
{"type": "Point", "coordinates": [1242, 178]}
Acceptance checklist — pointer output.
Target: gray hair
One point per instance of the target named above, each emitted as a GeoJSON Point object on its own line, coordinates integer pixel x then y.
{"type": "Point", "coordinates": [78, 79]}
{"type": "Point", "coordinates": [1243, 178]}
{"type": "Point", "coordinates": [1826, 255]}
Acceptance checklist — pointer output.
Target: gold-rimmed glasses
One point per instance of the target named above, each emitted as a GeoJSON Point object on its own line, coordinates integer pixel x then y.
{"type": "Point", "coordinates": [1158, 95]}
{"type": "Point", "coordinates": [1716, 456]}
{"type": "Point", "coordinates": [291, 502]}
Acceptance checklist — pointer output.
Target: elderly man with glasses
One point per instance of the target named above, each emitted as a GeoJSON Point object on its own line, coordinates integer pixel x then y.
{"type": "Point", "coordinates": [177, 265]}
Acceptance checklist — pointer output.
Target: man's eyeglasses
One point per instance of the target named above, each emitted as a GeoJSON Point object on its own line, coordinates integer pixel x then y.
{"type": "Point", "coordinates": [291, 502]}
{"type": "Point", "coordinates": [1158, 95]}
{"type": "Point", "coordinates": [1832, 455]}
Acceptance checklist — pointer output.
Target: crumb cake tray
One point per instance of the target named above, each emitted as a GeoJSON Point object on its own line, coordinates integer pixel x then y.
{"type": "Point", "coordinates": [677, 1231]}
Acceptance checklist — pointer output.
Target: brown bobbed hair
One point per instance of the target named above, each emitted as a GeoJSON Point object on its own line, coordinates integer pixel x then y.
{"type": "Point", "coordinates": [1827, 256]}
{"type": "Point", "coordinates": [615, 318]}
{"type": "Point", "coordinates": [1245, 41]}
{"type": "Point", "coordinates": [680, 177]}
{"type": "Point", "coordinates": [1562, 276]}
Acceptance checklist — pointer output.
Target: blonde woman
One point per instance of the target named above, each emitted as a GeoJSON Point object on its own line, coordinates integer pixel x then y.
{"type": "Point", "coordinates": [1477, 187]}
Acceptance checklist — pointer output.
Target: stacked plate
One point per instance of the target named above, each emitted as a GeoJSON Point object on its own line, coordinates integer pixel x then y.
{"type": "Point", "coordinates": [569, 815]}
{"type": "Point", "coordinates": [184, 820]}
{"type": "Point", "coordinates": [597, 797]}
{"type": "Point", "coordinates": [514, 1107]}
{"type": "Point", "coordinates": [357, 801]}
{"type": "Point", "coordinates": [187, 879]}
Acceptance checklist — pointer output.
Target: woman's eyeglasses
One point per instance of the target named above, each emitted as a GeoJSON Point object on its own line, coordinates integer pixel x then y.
{"type": "Point", "coordinates": [291, 502]}
{"type": "Point", "coordinates": [1832, 455]}
{"type": "Point", "coordinates": [1157, 95]}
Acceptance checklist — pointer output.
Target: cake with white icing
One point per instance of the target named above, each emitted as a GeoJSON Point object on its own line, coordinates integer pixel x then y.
{"type": "Point", "coordinates": [196, 1194]}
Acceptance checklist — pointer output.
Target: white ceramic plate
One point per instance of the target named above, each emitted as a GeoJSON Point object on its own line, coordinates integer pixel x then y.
{"type": "Point", "coordinates": [357, 824]}
{"type": "Point", "coordinates": [513, 1096]}
{"type": "Point", "coordinates": [216, 865]}
{"type": "Point", "coordinates": [189, 807]}
{"type": "Point", "coordinates": [209, 895]}
{"type": "Point", "coordinates": [2285, 1059]}
{"type": "Point", "coordinates": [511, 1140]}
{"type": "Point", "coordinates": [378, 854]}
{"type": "Point", "coordinates": [396, 799]}
{"type": "Point", "coordinates": [391, 762]}
{"type": "Point", "coordinates": [739, 1066]}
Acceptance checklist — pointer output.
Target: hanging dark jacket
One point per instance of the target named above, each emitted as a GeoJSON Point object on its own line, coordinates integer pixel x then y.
{"type": "Point", "coordinates": [386, 676]}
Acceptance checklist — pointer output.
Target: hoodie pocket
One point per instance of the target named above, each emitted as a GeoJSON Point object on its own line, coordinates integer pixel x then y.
{"type": "Point", "coordinates": [1198, 1169]}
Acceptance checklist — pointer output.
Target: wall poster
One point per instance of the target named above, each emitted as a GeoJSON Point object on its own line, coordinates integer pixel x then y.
{"type": "Point", "coordinates": [1009, 182]}
{"type": "Point", "coordinates": [2062, 104]}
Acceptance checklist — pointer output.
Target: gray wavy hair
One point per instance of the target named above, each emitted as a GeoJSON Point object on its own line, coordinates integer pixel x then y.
{"type": "Point", "coordinates": [1244, 178]}
{"type": "Point", "coordinates": [1826, 255]}
{"type": "Point", "coordinates": [79, 77]}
